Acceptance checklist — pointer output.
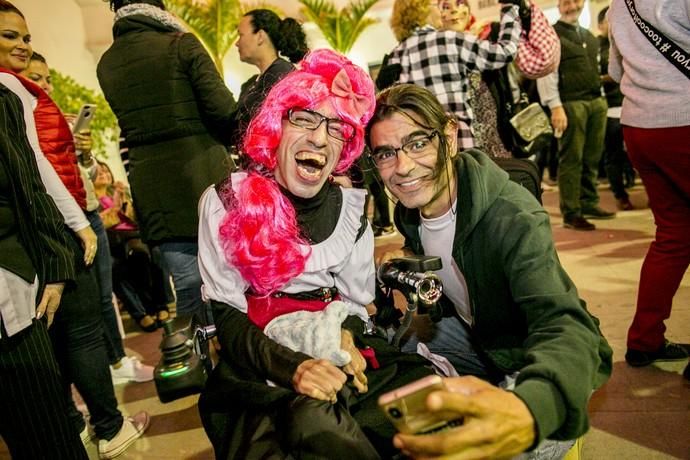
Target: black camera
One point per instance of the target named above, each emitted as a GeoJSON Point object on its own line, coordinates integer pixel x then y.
{"type": "Point", "coordinates": [412, 276]}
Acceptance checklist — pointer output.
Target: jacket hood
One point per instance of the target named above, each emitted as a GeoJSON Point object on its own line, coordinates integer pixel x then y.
{"type": "Point", "coordinates": [139, 23]}
{"type": "Point", "coordinates": [480, 182]}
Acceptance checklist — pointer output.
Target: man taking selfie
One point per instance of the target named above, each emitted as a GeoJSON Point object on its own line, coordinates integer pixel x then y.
{"type": "Point", "coordinates": [511, 316]}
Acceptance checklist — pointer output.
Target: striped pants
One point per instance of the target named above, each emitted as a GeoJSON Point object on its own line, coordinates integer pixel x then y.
{"type": "Point", "coordinates": [34, 422]}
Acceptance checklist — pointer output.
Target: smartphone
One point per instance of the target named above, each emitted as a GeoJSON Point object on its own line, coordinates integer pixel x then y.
{"type": "Point", "coordinates": [83, 120]}
{"type": "Point", "coordinates": [406, 408]}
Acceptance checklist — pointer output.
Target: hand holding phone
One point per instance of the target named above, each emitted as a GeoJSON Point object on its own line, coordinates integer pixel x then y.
{"type": "Point", "coordinates": [406, 407]}
{"type": "Point", "coordinates": [84, 117]}
{"type": "Point", "coordinates": [496, 423]}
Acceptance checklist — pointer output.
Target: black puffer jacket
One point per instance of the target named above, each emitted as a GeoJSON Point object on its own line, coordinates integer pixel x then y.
{"type": "Point", "coordinates": [175, 112]}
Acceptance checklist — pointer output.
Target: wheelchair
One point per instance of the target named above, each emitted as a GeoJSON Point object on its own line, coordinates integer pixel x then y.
{"type": "Point", "coordinates": [188, 351]}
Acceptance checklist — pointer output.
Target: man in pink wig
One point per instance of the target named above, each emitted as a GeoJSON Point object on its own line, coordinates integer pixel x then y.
{"type": "Point", "coordinates": [286, 258]}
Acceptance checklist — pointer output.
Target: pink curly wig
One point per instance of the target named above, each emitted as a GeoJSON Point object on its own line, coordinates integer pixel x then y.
{"type": "Point", "coordinates": [259, 234]}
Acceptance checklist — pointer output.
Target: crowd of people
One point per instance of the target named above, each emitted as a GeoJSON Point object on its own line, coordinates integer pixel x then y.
{"type": "Point", "coordinates": [277, 249]}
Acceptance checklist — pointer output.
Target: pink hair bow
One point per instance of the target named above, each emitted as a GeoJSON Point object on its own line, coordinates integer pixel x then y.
{"type": "Point", "coordinates": [356, 104]}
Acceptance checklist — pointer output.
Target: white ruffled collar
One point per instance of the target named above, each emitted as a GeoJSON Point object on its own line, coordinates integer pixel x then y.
{"type": "Point", "coordinates": [338, 246]}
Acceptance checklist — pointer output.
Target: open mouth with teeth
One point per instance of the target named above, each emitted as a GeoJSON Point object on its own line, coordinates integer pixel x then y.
{"type": "Point", "coordinates": [310, 165]}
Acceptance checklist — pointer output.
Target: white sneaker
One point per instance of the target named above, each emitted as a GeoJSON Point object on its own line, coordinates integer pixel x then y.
{"type": "Point", "coordinates": [131, 370]}
{"type": "Point", "coordinates": [86, 435]}
{"type": "Point", "coordinates": [132, 429]}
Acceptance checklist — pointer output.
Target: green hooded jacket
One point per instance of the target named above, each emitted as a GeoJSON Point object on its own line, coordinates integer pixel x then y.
{"type": "Point", "coordinates": [527, 315]}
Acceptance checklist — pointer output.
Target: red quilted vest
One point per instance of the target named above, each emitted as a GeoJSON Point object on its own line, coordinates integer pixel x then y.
{"type": "Point", "coordinates": [55, 139]}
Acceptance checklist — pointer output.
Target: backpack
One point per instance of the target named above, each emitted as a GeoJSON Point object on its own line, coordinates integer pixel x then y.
{"type": "Point", "coordinates": [523, 172]}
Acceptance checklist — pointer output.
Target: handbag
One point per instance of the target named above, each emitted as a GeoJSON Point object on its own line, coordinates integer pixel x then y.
{"type": "Point", "coordinates": [532, 130]}
{"type": "Point", "coordinates": [539, 50]}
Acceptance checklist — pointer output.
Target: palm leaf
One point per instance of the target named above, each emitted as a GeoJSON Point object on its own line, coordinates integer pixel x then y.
{"type": "Point", "coordinates": [341, 29]}
{"type": "Point", "coordinates": [356, 13]}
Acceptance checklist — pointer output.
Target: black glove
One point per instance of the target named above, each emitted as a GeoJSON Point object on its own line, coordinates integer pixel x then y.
{"type": "Point", "coordinates": [524, 12]}
{"type": "Point", "coordinates": [388, 76]}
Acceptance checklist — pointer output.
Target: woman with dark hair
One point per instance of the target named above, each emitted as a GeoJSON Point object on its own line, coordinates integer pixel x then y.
{"type": "Point", "coordinates": [263, 38]}
{"type": "Point", "coordinates": [123, 368]}
{"type": "Point", "coordinates": [35, 263]}
{"type": "Point", "coordinates": [77, 335]}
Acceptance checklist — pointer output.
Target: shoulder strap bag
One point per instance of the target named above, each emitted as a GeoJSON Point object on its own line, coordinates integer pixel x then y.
{"type": "Point", "coordinates": [672, 52]}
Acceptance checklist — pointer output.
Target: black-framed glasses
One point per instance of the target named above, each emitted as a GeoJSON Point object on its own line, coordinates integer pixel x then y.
{"type": "Point", "coordinates": [308, 119]}
{"type": "Point", "coordinates": [415, 148]}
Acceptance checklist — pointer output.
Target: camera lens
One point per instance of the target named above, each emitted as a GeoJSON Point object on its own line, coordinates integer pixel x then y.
{"type": "Point", "coordinates": [395, 412]}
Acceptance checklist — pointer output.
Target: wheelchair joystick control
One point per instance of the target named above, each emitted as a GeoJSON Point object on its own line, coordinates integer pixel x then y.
{"type": "Point", "coordinates": [180, 371]}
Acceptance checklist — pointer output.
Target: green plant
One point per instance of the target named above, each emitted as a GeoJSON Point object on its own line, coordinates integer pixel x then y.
{"type": "Point", "coordinates": [214, 22]}
{"type": "Point", "coordinates": [341, 28]}
{"type": "Point", "coordinates": [70, 96]}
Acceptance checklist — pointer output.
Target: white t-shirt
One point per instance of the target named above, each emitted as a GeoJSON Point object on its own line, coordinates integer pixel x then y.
{"type": "Point", "coordinates": [437, 236]}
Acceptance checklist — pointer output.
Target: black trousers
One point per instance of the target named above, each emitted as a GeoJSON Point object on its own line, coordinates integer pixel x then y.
{"type": "Point", "coordinates": [34, 421]}
{"type": "Point", "coordinates": [247, 419]}
{"type": "Point", "coordinates": [81, 352]}
{"type": "Point", "coordinates": [616, 162]}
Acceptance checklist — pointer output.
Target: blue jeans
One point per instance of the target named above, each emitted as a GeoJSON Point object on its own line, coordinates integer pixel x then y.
{"type": "Point", "coordinates": [181, 260]}
{"type": "Point", "coordinates": [103, 264]}
{"type": "Point", "coordinates": [450, 339]}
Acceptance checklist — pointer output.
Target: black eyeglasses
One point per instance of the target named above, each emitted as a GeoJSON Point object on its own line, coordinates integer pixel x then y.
{"type": "Point", "coordinates": [335, 127]}
{"type": "Point", "coordinates": [385, 157]}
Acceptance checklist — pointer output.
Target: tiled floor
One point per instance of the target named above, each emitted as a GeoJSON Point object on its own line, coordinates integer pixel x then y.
{"type": "Point", "coordinates": [640, 414]}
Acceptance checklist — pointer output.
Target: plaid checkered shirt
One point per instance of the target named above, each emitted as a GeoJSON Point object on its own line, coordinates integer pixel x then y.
{"type": "Point", "coordinates": [440, 61]}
